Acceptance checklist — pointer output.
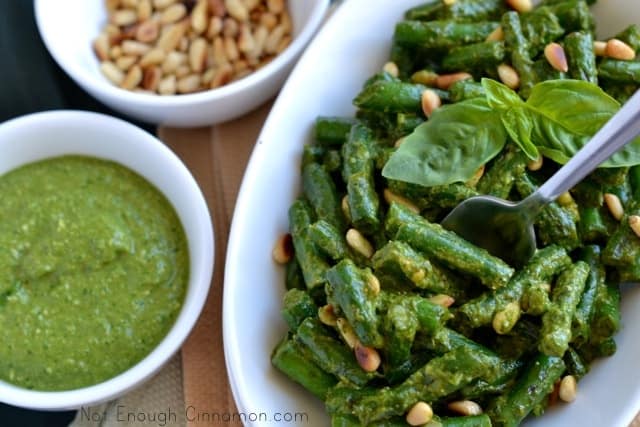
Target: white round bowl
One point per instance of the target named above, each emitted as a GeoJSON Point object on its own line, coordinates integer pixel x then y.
{"type": "Point", "coordinates": [68, 28]}
{"type": "Point", "coordinates": [38, 136]}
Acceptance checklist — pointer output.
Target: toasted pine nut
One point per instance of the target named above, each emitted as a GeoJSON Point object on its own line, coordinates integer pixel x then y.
{"type": "Point", "coordinates": [634, 223]}
{"type": "Point", "coordinates": [374, 284]}
{"type": "Point", "coordinates": [448, 2]}
{"type": "Point", "coordinates": [534, 165]}
{"type": "Point", "coordinates": [504, 319]}
{"type": "Point", "coordinates": [147, 31]}
{"type": "Point", "coordinates": [443, 81]}
{"type": "Point", "coordinates": [153, 57]}
{"type": "Point", "coordinates": [124, 17]}
{"type": "Point", "coordinates": [129, 3]}
{"type": "Point", "coordinates": [173, 13]}
{"type": "Point", "coordinates": [112, 72]}
{"type": "Point", "coordinates": [172, 61]}
{"type": "Point", "coordinates": [112, 5]}
{"type": "Point", "coordinates": [101, 47]}
{"type": "Point", "coordinates": [618, 49]}
{"type": "Point", "coordinates": [182, 71]}
{"type": "Point", "coordinates": [223, 76]}
{"type": "Point", "coordinates": [167, 86]}
{"type": "Point", "coordinates": [425, 77]}
{"type": "Point", "coordinates": [132, 47]}
{"type": "Point", "coordinates": [199, 17]}
{"type": "Point", "coordinates": [391, 197]}
{"type": "Point", "coordinates": [556, 57]}
{"type": "Point", "coordinates": [496, 35]}
{"type": "Point", "coordinates": [347, 333]}
{"type": "Point", "coordinates": [163, 4]}
{"type": "Point", "coordinates": [231, 49]}
{"type": "Point", "coordinates": [230, 27]}
{"type": "Point", "coordinates": [600, 48]}
{"type": "Point", "coordinates": [132, 79]}
{"type": "Point", "coordinates": [219, 53]}
{"type": "Point", "coordinates": [520, 5]}
{"type": "Point", "coordinates": [170, 39]}
{"type": "Point", "coordinates": [509, 76]}
{"type": "Point", "coordinates": [391, 68]}
{"type": "Point", "coordinates": [344, 205]}
{"type": "Point", "coordinates": [568, 388]}
{"type": "Point", "coordinates": [419, 414]}
{"type": "Point", "coordinates": [368, 357]}
{"type": "Point", "coordinates": [275, 6]}
{"type": "Point", "coordinates": [252, 4]}
{"type": "Point", "coordinates": [473, 181]}
{"type": "Point", "coordinates": [215, 27]}
{"type": "Point", "coordinates": [615, 205]}
{"type": "Point", "coordinates": [259, 39]}
{"type": "Point", "coordinates": [198, 54]}
{"type": "Point", "coordinates": [327, 315]}
{"type": "Point", "coordinates": [441, 299]}
{"type": "Point", "coordinates": [565, 199]}
{"type": "Point", "coordinates": [237, 9]}
{"type": "Point", "coordinates": [145, 9]}
{"type": "Point", "coordinates": [217, 8]}
{"type": "Point", "coordinates": [188, 84]}
{"type": "Point", "coordinates": [151, 78]}
{"type": "Point", "coordinates": [245, 40]}
{"type": "Point", "coordinates": [465, 407]}
{"type": "Point", "coordinates": [115, 52]}
{"type": "Point", "coordinates": [271, 44]}
{"type": "Point", "coordinates": [126, 62]}
{"type": "Point", "coordinates": [359, 243]}
{"type": "Point", "coordinates": [285, 21]}
{"type": "Point", "coordinates": [268, 20]}
{"type": "Point", "coordinates": [430, 101]}
{"type": "Point", "coordinates": [283, 249]}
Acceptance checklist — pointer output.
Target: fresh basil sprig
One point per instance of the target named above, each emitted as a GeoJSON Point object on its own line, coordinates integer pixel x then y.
{"type": "Point", "coordinates": [557, 120]}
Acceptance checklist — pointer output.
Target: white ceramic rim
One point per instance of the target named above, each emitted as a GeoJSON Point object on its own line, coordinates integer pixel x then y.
{"type": "Point", "coordinates": [196, 295]}
{"type": "Point", "coordinates": [104, 89]}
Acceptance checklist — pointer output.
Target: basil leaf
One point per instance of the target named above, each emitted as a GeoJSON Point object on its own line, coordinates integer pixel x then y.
{"type": "Point", "coordinates": [450, 147]}
{"type": "Point", "coordinates": [519, 124]}
{"type": "Point", "coordinates": [500, 96]}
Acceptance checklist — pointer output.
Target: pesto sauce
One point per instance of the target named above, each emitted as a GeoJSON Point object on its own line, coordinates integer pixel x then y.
{"type": "Point", "coordinates": [93, 271]}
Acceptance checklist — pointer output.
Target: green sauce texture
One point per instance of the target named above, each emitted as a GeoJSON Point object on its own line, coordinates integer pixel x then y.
{"type": "Point", "coordinates": [94, 266]}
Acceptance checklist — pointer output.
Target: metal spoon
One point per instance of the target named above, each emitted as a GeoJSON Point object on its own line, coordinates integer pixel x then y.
{"type": "Point", "coordinates": [505, 228]}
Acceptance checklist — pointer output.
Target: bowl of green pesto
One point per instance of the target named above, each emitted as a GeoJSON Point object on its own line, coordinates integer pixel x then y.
{"type": "Point", "coordinates": [105, 262]}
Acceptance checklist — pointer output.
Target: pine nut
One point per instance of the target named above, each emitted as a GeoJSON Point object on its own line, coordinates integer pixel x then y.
{"type": "Point", "coordinates": [217, 8]}
{"type": "Point", "coordinates": [509, 76]}
{"type": "Point", "coordinates": [208, 75]}
{"type": "Point", "coordinates": [615, 205]}
{"type": "Point", "coordinates": [126, 62]}
{"type": "Point", "coordinates": [151, 78]}
{"type": "Point", "coordinates": [368, 357]}
{"type": "Point", "coordinates": [112, 5]}
{"type": "Point", "coordinates": [391, 197]}
{"type": "Point", "coordinates": [347, 333]}
{"type": "Point", "coordinates": [131, 4]}
{"type": "Point", "coordinates": [268, 20]}
{"type": "Point", "coordinates": [215, 27]}
{"type": "Point", "coordinates": [237, 10]}
{"type": "Point", "coordinates": [199, 17]}
{"type": "Point", "coordinates": [132, 79]}
{"type": "Point", "coordinates": [124, 17]}
{"type": "Point", "coordinates": [275, 6]}
{"type": "Point", "coordinates": [283, 249]}
{"type": "Point", "coordinates": [271, 44]}
{"type": "Point", "coordinates": [112, 72]}
{"type": "Point", "coordinates": [147, 31]}
{"type": "Point", "coordinates": [346, 211]}
{"type": "Point", "coordinates": [520, 5]}
{"type": "Point", "coordinates": [198, 54]}
{"type": "Point", "coordinates": [618, 49]}
{"type": "Point", "coordinates": [568, 388]}
{"type": "Point", "coordinates": [145, 10]}
{"type": "Point", "coordinates": [182, 71]}
{"type": "Point", "coordinates": [240, 66]}
{"type": "Point", "coordinates": [173, 13]}
{"type": "Point", "coordinates": [496, 35]}
{"type": "Point", "coordinates": [419, 414]}
{"type": "Point", "coordinates": [600, 48]}
{"type": "Point", "coordinates": [251, 4]}
{"type": "Point", "coordinates": [445, 301]}
{"type": "Point", "coordinates": [465, 407]}
{"type": "Point", "coordinates": [556, 57]}
{"type": "Point", "coordinates": [219, 53]}
{"type": "Point", "coordinates": [449, 2]}
{"type": "Point", "coordinates": [172, 61]}
{"type": "Point", "coordinates": [391, 68]}
{"type": "Point", "coordinates": [131, 47]}
{"type": "Point", "coordinates": [565, 199]}
{"type": "Point", "coordinates": [373, 284]}
{"type": "Point", "coordinates": [231, 49]}
{"type": "Point", "coordinates": [430, 101]}
{"type": "Point", "coordinates": [443, 81]}
{"type": "Point", "coordinates": [245, 40]}
{"type": "Point", "coordinates": [170, 39]}
{"type": "Point", "coordinates": [167, 86]}
{"type": "Point", "coordinates": [223, 76]}
{"type": "Point", "coordinates": [163, 4]}
{"type": "Point", "coordinates": [101, 47]}
{"type": "Point", "coordinates": [115, 52]}
{"type": "Point", "coordinates": [259, 40]}
{"type": "Point", "coordinates": [230, 27]}
{"type": "Point", "coordinates": [189, 83]}
{"type": "Point", "coordinates": [327, 315]}
{"type": "Point", "coordinates": [634, 223]}
{"type": "Point", "coordinates": [183, 46]}
{"type": "Point", "coordinates": [425, 77]}
{"type": "Point", "coordinates": [359, 243]}
{"type": "Point", "coordinates": [153, 57]}
{"type": "Point", "coordinates": [534, 165]}
{"type": "Point", "coordinates": [285, 21]}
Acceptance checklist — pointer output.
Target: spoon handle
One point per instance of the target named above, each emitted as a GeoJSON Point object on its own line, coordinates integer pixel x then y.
{"type": "Point", "coordinates": [617, 132]}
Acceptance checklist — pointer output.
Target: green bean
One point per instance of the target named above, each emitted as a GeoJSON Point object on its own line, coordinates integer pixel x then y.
{"type": "Point", "coordinates": [426, 12]}
{"type": "Point", "coordinates": [332, 131]}
{"type": "Point", "coordinates": [313, 266]}
{"type": "Point", "coordinates": [535, 300]}
{"type": "Point", "coordinates": [621, 92]}
{"type": "Point", "coordinates": [466, 89]}
{"type": "Point", "coordinates": [293, 276]}
{"type": "Point", "coordinates": [341, 420]}
{"type": "Point", "coordinates": [351, 290]}
{"type": "Point", "coordinates": [298, 305]}
{"type": "Point", "coordinates": [543, 71]}
{"type": "Point", "coordinates": [542, 266]}
{"type": "Point", "coordinates": [455, 252]}
{"type": "Point", "coordinates": [623, 247]}
{"type": "Point", "coordinates": [320, 190]}
{"type": "Point", "coordinates": [482, 420]}
{"type": "Point", "coordinates": [574, 15]}
{"type": "Point", "coordinates": [521, 341]}
{"type": "Point", "coordinates": [293, 359]}
{"type": "Point", "coordinates": [532, 387]}
{"type": "Point", "coordinates": [592, 226]}
{"type": "Point", "coordinates": [397, 261]}
{"type": "Point", "coordinates": [499, 178]}
{"type": "Point", "coordinates": [397, 215]}
{"type": "Point", "coordinates": [328, 240]}
{"type": "Point", "coordinates": [474, 56]}
{"type": "Point", "coordinates": [576, 366]}
{"type": "Point", "coordinates": [518, 48]}
{"type": "Point", "coordinates": [556, 322]}
{"type": "Point", "coordinates": [391, 97]}
{"type": "Point", "coordinates": [441, 196]}
{"type": "Point", "coordinates": [583, 316]}
{"type": "Point", "coordinates": [400, 326]}
{"type": "Point", "coordinates": [442, 34]}
{"type": "Point", "coordinates": [330, 354]}
{"type": "Point", "coordinates": [619, 71]}
{"type": "Point", "coordinates": [606, 317]}
{"type": "Point", "coordinates": [472, 10]}
{"type": "Point", "coordinates": [580, 57]}
{"type": "Point", "coordinates": [541, 27]}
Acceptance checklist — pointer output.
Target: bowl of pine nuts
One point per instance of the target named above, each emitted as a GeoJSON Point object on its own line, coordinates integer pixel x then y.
{"type": "Point", "coordinates": [181, 63]}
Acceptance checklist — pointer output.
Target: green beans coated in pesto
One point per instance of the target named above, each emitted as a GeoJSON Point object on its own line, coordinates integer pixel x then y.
{"type": "Point", "coordinates": [385, 309]}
